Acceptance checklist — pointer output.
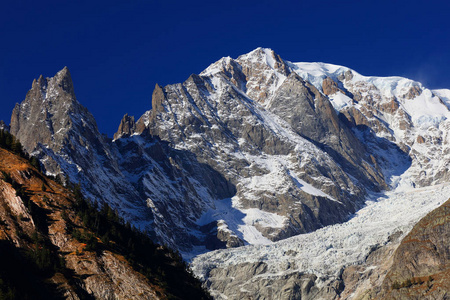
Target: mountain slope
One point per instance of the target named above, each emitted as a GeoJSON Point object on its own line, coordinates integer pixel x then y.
{"type": "Point", "coordinates": [343, 260]}
{"type": "Point", "coordinates": [57, 129]}
{"type": "Point", "coordinates": [421, 264]}
{"type": "Point", "coordinates": [45, 229]}
{"type": "Point", "coordinates": [395, 109]}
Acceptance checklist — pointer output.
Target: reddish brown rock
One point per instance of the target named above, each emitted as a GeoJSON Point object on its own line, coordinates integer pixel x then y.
{"type": "Point", "coordinates": [413, 92]}
{"type": "Point", "coordinates": [330, 87]}
{"type": "Point", "coordinates": [127, 127]}
{"type": "Point", "coordinates": [390, 107]}
{"type": "Point", "coordinates": [421, 267]}
{"type": "Point", "coordinates": [104, 275]}
{"type": "Point", "coordinates": [420, 139]}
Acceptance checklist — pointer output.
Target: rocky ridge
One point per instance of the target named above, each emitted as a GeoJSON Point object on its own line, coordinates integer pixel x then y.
{"type": "Point", "coordinates": [305, 169]}
{"type": "Point", "coordinates": [53, 126]}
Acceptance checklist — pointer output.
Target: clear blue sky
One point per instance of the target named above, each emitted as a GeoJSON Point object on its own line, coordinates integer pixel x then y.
{"type": "Point", "coordinates": [118, 50]}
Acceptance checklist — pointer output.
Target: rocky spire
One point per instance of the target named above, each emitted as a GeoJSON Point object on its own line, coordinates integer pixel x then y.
{"type": "Point", "coordinates": [44, 114]}
{"type": "Point", "coordinates": [127, 126]}
{"type": "Point", "coordinates": [64, 81]}
{"type": "Point", "coordinates": [158, 97]}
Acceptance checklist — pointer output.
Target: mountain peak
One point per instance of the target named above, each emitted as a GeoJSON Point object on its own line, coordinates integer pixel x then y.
{"type": "Point", "coordinates": [64, 80]}
{"type": "Point", "coordinates": [44, 116]}
{"type": "Point", "coordinates": [260, 51]}
{"type": "Point", "coordinates": [127, 127]}
{"type": "Point", "coordinates": [40, 82]}
{"type": "Point", "coordinates": [264, 55]}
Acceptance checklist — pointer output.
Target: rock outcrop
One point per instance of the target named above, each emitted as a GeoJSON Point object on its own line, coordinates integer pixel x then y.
{"type": "Point", "coordinates": [126, 127]}
{"type": "Point", "coordinates": [104, 276]}
{"type": "Point", "coordinates": [421, 264]}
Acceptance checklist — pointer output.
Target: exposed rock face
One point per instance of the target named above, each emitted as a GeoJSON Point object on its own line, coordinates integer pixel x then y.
{"type": "Point", "coordinates": [420, 139]}
{"type": "Point", "coordinates": [404, 112]}
{"type": "Point", "coordinates": [32, 120]}
{"type": "Point", "coordinates": [330, 87]}
{"type": "Point", "coordinates": [109, 276]}
{"type": "Point", "coordinates": [311, 115]}
{"type": "Point", "coordinates": [140, 176]}
{"type": "Point", "coordinates": [390, 123]}
{"type": "Point", "coordinates": [174, 184]}
{"type": "Point", "coordinates": [421, 265]}
{"type": "Point", "coordinates": [126, 128]}
{"type": "Point", "coordinates": [413, 92]}
{"type": "Point", "coordinates": [254, 106]}
{"type": "Point", "coordinates": [415, 267]}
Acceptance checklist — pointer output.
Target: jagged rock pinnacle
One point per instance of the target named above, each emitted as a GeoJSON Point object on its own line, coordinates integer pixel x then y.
{"type": "Point", "coordinates": [64, 80]}
{"type": "Point", "coordinates": [157, 98]}
{"type": "Point", "coordinates": [127, 126]}
{"type": "Point", "coordinates": [44, 114]}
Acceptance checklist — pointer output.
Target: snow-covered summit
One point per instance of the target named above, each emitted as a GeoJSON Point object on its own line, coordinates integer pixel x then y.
{"type": "Point", "coordinates": [396, 108]}
{"type": "Point", "coordinates": [313, 72]}
{"type": "Point", "coordinates": [259, 55]}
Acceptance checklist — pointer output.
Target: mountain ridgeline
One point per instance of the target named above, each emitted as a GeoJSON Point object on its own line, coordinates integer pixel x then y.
{"type": "Point", "coordinates": [251, 151]}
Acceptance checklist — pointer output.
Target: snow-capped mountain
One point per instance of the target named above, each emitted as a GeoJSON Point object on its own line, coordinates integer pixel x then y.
{"type": "Point", "coordinates": [390, 116]}
{"type": "Point", "coordinates": [210, 166]}
{"type": "Point", "coordinates": [253, 151]}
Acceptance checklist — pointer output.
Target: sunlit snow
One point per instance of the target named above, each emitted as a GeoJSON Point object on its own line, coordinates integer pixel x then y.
{"type": "Point", "coordinates": [325, 251]}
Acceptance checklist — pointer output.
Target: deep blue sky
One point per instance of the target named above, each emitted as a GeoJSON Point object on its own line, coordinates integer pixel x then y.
{"type": "Point", "coordinates": [118, 50]}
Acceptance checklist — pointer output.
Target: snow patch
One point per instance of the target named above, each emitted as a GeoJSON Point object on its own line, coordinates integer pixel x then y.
{"type": "Point", "coordinates": [340, 101]}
